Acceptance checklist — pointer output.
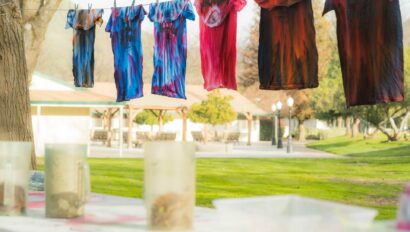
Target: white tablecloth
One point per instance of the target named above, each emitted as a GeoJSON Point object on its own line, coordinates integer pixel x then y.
{"type": "Point", "coordinates": [106, 213]}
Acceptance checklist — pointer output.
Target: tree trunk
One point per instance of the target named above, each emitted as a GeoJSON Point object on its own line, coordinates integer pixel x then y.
{"type": "Point", "coordinates": [340, 122]}
{"type": "Point", "coordinates": [302, 134]}
{"type": "Point", "coordinates": [348, 126]}
{"type": "Point", "coordinates": [356, 129]}
{"type": "Point", "coordinates": [390, 137]}
{"type": "Point", "coordinates": [15, 110]}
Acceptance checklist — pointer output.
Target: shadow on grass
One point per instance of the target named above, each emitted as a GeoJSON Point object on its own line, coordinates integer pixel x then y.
{"type": "Point", "coordinates": [325, 147]}
{"type": "Point", "coordinates": [402, 151]}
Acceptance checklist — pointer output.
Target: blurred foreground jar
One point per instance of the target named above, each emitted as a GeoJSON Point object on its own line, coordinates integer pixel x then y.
{"type": "Point", "coordinates": [14, 175]}
{"type": "Point", "coordinates": [403, 220]}
{"type": "Point", "coordinates": [67, 180]}
{"type": "Point", "coordinates": [169, 185]}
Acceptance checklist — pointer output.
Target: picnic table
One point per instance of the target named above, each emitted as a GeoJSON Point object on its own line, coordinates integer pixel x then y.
{"type": "Point", "coordinates": [105, 213]}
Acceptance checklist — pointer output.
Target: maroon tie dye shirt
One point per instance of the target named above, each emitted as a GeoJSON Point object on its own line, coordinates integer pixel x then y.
{"type": "Point", "coordinates": [370, 39]}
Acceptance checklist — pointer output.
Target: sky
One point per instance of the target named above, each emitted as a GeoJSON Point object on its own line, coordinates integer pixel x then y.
{"type": "Point", "coordinates": [245, 17]}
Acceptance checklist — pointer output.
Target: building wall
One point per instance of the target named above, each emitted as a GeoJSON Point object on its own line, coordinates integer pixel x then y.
{"type": "Point", "coordinates": [60, 125]}
{"type": "Point", "coordinates": [176, 127]}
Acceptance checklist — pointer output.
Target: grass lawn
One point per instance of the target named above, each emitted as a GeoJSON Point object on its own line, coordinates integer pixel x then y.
{"type": "Point", "coordinates": [373, 175]}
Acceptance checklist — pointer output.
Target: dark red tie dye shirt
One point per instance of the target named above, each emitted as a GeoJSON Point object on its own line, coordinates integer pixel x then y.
{"type": "Point", "coordinates": [370, 39]}
{"type": "Point", "coordinates": [288, 57]}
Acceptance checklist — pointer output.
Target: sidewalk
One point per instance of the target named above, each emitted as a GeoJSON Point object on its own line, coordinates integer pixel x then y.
{"type": "Point", "coordinates": [257, 150]}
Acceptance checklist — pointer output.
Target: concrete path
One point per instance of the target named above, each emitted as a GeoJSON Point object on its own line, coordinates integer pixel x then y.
{"type": "Point", "coordinates": [257, 150]}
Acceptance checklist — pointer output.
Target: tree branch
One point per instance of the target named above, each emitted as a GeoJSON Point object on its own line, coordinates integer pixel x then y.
{"type": "Point", "coordinates": [405, 121]}
{"type": "Point", "coordinates": [35, 25]}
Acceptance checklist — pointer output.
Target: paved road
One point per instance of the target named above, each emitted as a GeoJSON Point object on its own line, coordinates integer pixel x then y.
{"type": "Point", "coordinates": [258, 150]}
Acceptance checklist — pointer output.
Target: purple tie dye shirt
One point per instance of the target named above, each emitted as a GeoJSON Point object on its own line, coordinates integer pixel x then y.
{"type": "Point", "coordinates": [170, 48]}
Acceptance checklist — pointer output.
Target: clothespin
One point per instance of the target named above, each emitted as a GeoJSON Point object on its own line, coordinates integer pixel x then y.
{"type": "Point", "coordinates": [76, 6]}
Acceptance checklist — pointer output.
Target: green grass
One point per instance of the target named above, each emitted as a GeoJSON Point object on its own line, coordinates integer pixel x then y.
{"type": "Point", "coordinates": [372, 175]}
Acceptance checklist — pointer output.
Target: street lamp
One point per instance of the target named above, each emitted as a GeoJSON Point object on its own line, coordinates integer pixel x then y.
{"type": "Point", "coordinates": [274, 131]}
{"type": "Point", "coordinates": [290, 104]}
{"type": "Point", "coordinates": [279, 107]}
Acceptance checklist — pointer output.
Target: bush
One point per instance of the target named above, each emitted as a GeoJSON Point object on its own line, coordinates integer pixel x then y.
{"type": "Point", "coordinates": [265, 133]}
{"type": "Point", "coordinates": [331, 133]}
{"type": "Point", "coordinates": [318, 134]}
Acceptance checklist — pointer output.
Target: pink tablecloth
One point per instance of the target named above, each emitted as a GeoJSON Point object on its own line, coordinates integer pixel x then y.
{"type": "Point", "coordinates": [103, 213]}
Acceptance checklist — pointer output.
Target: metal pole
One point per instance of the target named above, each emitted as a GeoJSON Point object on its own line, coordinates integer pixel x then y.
{"type": "Point", "coordinates": [280, 144]}
{"type": "Point", "coordinates": [289, 147]}
{"type": "Point", "coordinates": [37, 138]}
{"type": "Point", "coordinates": [121, 133]}
{"type": "Point", "coordinates": [273, 129]}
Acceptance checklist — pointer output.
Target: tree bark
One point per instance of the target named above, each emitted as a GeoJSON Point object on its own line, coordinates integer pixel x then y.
{"type": "Point", "coordinates": [348, 126]}
{"type": "Point", "coordinates": [15, 110]}
{"type": "Point", "coordinates": [302, 134]}
{"type": "Point", "coordinates": [356, 129]}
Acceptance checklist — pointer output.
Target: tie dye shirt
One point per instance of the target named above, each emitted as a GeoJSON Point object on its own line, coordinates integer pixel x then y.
{"type": "Point", "coordinates": [170, 48]}
{"type": "Point", "coordinates": [288, 57]}
{"type": "Point", "coordinates": [218, 25]}
{"type": "Point", "coordinates": [124, 26]}
{"type": "Point", "coordinates": [370, 39]}
{"type": "Point", "coordinates": [83, 23]}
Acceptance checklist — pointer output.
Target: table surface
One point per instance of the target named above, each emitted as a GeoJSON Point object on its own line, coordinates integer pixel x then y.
{"type": "Point", "coordinates": [106, 213]}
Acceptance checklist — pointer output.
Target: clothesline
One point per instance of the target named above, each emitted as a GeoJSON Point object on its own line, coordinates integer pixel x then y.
{"type": "Point", "coordinates": [145, 4]}
{"type": "Point", "coordinates": [103, 8]}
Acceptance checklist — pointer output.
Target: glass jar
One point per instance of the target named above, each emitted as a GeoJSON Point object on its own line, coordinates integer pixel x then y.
{"type": "Point", "coordinates": [67, 178]}
{"type": "Point", "coordinates": [15, 160]}
{"type": "Point", "coordinates": [169, 185]}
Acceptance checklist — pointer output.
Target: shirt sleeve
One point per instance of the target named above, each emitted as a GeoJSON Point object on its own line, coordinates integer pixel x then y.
{"type": "Point", "coordinates": [188, 12]}
{"type": "Point", "coordinates": [238, 5]}
{"type": "Point", "coordinates": [108, 28]}
{"type": "Point", "coordinates": [142, 13]}
{"type": "Point", "coordinates": [70, 19]}
{"type": "Point", "coordinates": [98, 19]}
{"type": "Point", "coordinates": [270, 4]}
{"type": "Point", "coordinates": [329, 6]}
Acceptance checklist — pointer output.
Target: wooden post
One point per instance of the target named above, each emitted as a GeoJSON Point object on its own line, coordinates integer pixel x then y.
{"type": "Point", "coordinates": [130, 126]}
{"type": "Point", "coordinates": [249, 118]}
{"type": "Point", "coordinates": [37, 138]}
{"type": "Point", "coordinates": [121, 134]}
{"type": "Point", "coordinates": [109, 128]}
{"type": "Point", "coordinates": [161, 120]}
{"type": "Point", "coordinates": [184, 124]}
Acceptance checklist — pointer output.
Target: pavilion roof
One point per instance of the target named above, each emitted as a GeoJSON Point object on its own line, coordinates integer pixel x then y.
{"type": "Point", "coordinates": [104, 94]}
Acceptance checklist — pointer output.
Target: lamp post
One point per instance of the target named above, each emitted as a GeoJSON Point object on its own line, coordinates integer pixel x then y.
{"type": "Point", "coordinates": [274, 131]}
{"type": "Point", "coordinates": [279, 107]}
{"type": "Point", "coordinates": [290, 104]}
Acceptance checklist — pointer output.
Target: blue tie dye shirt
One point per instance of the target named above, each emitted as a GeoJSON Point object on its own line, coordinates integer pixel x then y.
{"type": "Point", "coordinates": [83, 23]}
{"type": "Point", "coordinates": [170, 48]}
{"type": "Point", "coordinates": [124, 26]}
